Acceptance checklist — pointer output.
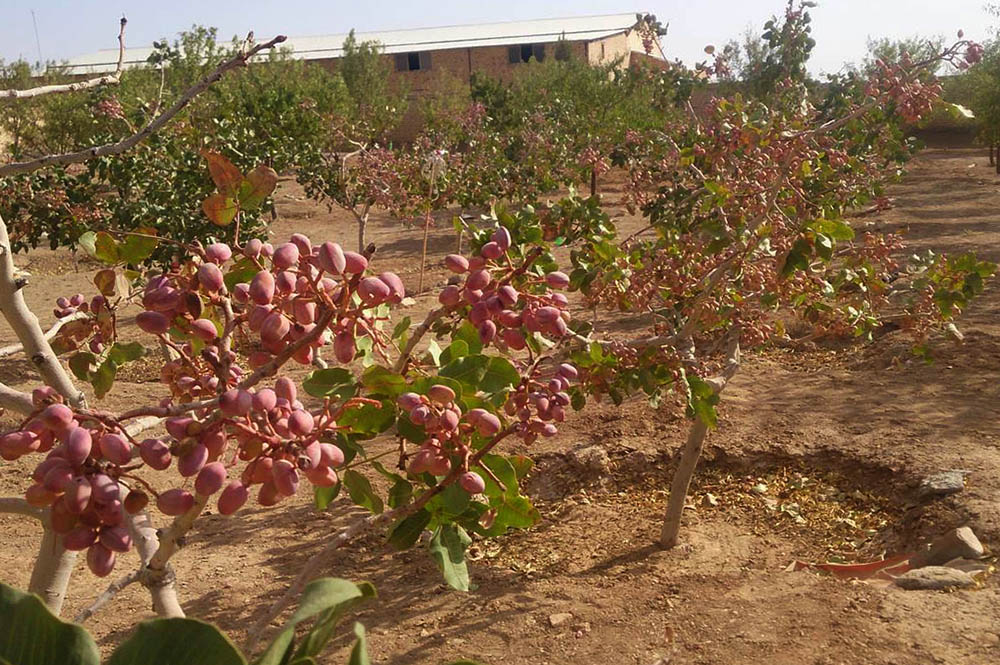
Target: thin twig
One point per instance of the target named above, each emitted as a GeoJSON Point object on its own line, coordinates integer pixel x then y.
{"type": "Point", "coordinates": [107, 79]}
{"type": "Point", "coordinates": [106, 596]}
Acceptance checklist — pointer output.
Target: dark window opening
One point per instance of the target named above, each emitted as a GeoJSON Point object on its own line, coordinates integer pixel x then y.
{"type": "Point", "coordinates": [414, 61]}
{"type": "Point", "coordinates": [525, 52]}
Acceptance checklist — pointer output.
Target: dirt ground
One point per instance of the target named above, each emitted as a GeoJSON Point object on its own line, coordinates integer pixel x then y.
{"type": "Point", "coordinates": [816, 458]}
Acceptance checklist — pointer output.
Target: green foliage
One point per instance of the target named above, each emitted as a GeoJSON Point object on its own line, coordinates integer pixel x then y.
{"type": "Point", "coordinates": [31, 635]}
{"type": "Point", "coordinates": [267, 114]}
{"type": "Point", "coordinates": [378, 105]}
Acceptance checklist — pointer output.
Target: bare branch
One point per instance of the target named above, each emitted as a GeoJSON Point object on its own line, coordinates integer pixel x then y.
{"type": "Point", "coordinates": [19, 506]}
{"type": "Point", "coordinates": [107, 79]}
{"type": "Point", "coordinates": [15, 400]}
{"type": "Point", "coordinates": [106, 596]}
{"type": "Point", "coordinates": [49, 334]}
{"type": "Point", "coordinates": [238, 60]}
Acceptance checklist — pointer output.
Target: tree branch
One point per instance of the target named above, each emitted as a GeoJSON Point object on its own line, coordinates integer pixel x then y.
{"type": "Point", "coordinates": [26, 327]}
{"type": "Point", "coordinates": [106, 596]}
{"type": "Point", "coordinates": [15, 400]}
{"type": "Point", "coordinates": [49, 334]}
{"type": "Point", "coordinates": [107, 79]}
{"type": "Point", "coordinates": [238, 60]}
{"type": "Point", "coordinates": [19, 506]}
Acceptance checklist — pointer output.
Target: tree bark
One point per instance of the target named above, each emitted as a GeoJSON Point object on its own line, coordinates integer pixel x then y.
{"type": "Point", "coordinates": [593, 181]}
{"type": "Point", "coordinates": [26, 327]}
{"type": "Point", "coordinates": [362, 232]}
{"type": "Point", "coordinates": [691, 452]}
{"type": "Point", "coordinates": [160, 581]}
{"type": "Point", "coordinates": [52, 570]}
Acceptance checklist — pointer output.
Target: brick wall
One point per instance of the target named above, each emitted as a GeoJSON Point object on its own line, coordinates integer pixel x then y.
{"type": "Point", "coordinates": [459, 64]}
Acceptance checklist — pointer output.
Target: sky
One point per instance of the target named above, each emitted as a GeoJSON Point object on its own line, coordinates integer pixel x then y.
{"type": "Point", "coordinates": [68, 28]}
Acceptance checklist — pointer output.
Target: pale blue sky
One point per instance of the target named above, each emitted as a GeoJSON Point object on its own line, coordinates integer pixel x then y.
{"type": "Point", "coordinates": [73, 27]}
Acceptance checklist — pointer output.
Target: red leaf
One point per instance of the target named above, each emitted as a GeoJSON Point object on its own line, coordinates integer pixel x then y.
{"type": "Point", "coordinates": [227, 178]}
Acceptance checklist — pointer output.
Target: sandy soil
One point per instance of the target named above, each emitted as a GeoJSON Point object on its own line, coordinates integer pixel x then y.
{"type": "Point", "coordinates": [817, 456]}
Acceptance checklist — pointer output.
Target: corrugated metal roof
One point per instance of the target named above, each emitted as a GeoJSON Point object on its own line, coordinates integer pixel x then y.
{"type": "Point", "coordinates": [577, 28]}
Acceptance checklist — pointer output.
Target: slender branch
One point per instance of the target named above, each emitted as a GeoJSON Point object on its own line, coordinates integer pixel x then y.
{"type": "Point", "coordinates": [238, 60]}
{"type": "Point", "coordinates": [107, 79]}
{"type": "Point", "coordinates": [418, 333]}
{"type": "Point", "coordinates": [19, 506]}
{"type": "Point", "coordinates": [49, 334]}
{"type": "Point", "coordinates": [106, 596]}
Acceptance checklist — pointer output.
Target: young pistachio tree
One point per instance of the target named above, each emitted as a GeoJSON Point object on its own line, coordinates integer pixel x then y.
{"type": "Point", "coordinates": [746, 231]}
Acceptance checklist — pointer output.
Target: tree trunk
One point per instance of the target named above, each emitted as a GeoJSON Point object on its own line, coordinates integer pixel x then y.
{"type": "Point", "coordinates": [682, 482]}
{"type": "Point", "coordinates": [692, 450]}
{"type": "Point", "coordinates": [593, 181]}
{"type": "Point", "coordinates": [362, 230]}
{"type": "Point", "coordinates": [423, 253]}
{"type": "Point", "coordinates": [159, 580]}
{"type": "Point", "coordinates": [992, 160]}
{"type": "Point", "coordinates": [52, 570]}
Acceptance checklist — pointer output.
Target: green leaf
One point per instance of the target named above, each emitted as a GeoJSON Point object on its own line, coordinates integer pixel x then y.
{"type": "Point", "coordinates": [359, 654]}
{"type": "Point", "coordinates": [513, 510]}
{"type": "Point", "coordinates": [453, 500]}
{"type": "Point", "coordinates": [31, 635]}
{"type": "Point", "coordinates": [401, 328]}
{"type": "Point", "coordinates": [105, 248]}
{"type": "Point", "coordinates": [333, 381]}
{"type": "Point", "coordinates": [406, 532]}
{"type": "Point", "coordinates": [88, 241]}
{"type": "Point", "coordinates": [177, 642]}
{"type": "Point", "coordinates": [500, 375]}
{"type": "Point", "coordinates": [383, 381]}
{"type": "Point", "coordinates": [242, 272]}
{"type": "Point", "coordinates": [361, 491]}
{"type": "Point", "coordinates": [123, 353]}
{"type": "Point", "coordinates": [368, 420]}
{"type": "Point", "coordinates": [136, 249]}
{"type": "Point", "coordinates": [468, 334]}
{"type": "Point", "coordinates": [324, 496]}
{"type": "Point", "coordinates": [448, 550]}
{"type": "Point", "coordinates": [104, 378]}
{"type": "Point", "coordinates": [434, 351]}
{"type": "Point", "coordinates": [455, 350]}
{"type": "Point", "coordinates": [702, 400]}
{"type": "Point", "coordinates": [82, 364]}
{"type": "Point", "coordinates": [400, 493]}
{"type": "Point", "coordinates": [468, 370]}
{"type": "Point", "coordinates": [328, 596]}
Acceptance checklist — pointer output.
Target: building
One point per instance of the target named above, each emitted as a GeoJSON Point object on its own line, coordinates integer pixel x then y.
{"type": "Point", "coordinates": [424, 57]}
